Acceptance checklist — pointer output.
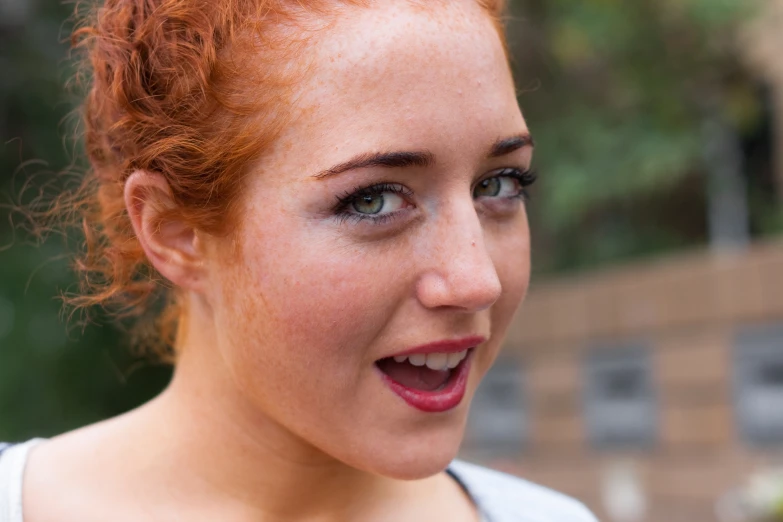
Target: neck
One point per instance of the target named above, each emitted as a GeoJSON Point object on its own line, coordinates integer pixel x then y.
{"type": "Point", "coordinates": [233, 452]}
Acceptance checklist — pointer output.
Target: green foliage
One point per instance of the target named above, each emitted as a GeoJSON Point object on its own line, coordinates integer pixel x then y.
{"type": "Point", "coordinates": [596, 162]}
{"type": "Point", "coordinates": [53, 376]}
{"type": "Point", "coordinates": [616, 94]}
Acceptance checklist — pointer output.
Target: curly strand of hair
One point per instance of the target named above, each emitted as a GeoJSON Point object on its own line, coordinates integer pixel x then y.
{"type": "Point", "coordinates": [168, 90]}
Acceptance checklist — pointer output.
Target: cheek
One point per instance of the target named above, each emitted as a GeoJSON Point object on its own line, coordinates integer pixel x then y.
{"type": "Point", "coordinates": [512, 263]}
{"type": "Point", "coordinates": [302, 301]}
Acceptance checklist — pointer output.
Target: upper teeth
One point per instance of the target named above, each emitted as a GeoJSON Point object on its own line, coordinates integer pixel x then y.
{"type": "Point", "coordinates": [434, 361]}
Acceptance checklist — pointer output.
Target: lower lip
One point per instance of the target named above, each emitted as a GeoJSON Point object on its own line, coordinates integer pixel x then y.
{"type": "Point", "coordinates": [445, 399]}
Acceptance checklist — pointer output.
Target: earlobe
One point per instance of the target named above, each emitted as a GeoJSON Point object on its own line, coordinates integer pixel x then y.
{"type": "Point", "coordinates": [171, 244]}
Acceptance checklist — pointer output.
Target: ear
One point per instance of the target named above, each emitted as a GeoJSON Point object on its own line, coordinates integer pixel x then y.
{"type": "Point", "coordinates": [172, 246]}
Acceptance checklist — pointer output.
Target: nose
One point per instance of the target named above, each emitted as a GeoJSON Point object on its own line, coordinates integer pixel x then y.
{"type": "Point", "coordinates": [459, 272]}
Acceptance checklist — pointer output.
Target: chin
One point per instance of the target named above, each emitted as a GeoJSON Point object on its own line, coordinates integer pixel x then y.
{"type": "Point", "coordinates": [416, 466]}
{"type": "Point", "coordinates": [415, 455]}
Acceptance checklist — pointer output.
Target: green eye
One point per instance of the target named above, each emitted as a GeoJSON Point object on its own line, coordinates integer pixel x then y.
{"type": "Point", "coordinates": [376, 202]}
{"type": "Point", "coordinates": [490, 187]}
{"type": "Point", "coordinates": [369, 204]}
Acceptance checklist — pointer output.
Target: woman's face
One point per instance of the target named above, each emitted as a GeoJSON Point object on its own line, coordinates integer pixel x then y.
{"type": "Point", "coordinates": [388, 219]}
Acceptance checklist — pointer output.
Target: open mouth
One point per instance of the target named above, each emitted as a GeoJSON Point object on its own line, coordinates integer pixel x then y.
{"type": "Point", "coordinates": [432, 382]}
{"type": "Point", "coordinates": [426, 372]}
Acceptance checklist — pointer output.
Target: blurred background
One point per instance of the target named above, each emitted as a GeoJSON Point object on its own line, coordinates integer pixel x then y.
{"type": "Point", "coordinates": [644, 374]}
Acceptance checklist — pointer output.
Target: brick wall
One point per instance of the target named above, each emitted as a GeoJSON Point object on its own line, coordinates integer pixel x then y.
{"type": "Point", "coordinates": [687, 310]}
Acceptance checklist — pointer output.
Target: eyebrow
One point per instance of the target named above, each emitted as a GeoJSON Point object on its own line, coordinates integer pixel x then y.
{"type": "Point", "coordinates": [400, 159]}
{"type": "Point", "coordinates": [423, 158]}
{"type": "Point", "coordinates": [508, 145]}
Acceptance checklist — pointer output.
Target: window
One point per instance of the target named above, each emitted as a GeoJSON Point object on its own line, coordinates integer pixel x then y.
{"type": "Point", "coordinates": [758, 384]}
{"type": "Point", "coordinates": [620, 405]}
{"type": "Point", "coordinates": [497, 426]}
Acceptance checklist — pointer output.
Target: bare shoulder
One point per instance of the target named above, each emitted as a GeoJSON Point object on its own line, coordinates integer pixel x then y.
{"type": "Point", "coordinates": [55, 483]}
{"type": "Point", "coordinates": [506, 498]}
{"type": "Point", "coordinates": [67, 478]}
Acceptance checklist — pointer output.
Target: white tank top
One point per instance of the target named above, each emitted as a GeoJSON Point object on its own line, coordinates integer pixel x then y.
{"type": "Point", "coordinates": [12, 462]}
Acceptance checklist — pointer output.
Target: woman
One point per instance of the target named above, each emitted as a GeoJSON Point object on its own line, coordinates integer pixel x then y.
{"type": "Point", "coordinates": [333, 193]}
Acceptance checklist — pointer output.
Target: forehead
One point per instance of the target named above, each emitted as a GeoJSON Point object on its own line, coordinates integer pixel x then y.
{"type": "Point", "coordinates": [398, 74]}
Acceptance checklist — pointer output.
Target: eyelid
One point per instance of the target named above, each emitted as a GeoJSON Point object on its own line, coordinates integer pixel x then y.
{"type": "Point", "coordinates": [344, 201]}
{"type": "Point", "coordinates": [374, 189]}
{"type": "Point", "coordinates": [526, 175]}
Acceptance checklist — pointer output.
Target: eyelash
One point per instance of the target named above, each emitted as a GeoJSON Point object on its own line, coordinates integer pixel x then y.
{"type": "Point", "coordinates": [525, 177]}
{"type": "Point", "coordinates": [345, 200]}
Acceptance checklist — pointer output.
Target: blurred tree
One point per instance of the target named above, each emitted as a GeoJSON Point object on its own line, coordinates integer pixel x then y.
{"type": "Point", "coordinates": [52, 378]}
{"type": "Point", "coordinates": [627, 99]}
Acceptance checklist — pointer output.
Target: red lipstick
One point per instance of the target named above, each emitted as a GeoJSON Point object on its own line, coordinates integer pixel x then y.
{"type": "Point", "coordinates": [445, 346]}
{"type": "Point", "coordinates": [447, 395]}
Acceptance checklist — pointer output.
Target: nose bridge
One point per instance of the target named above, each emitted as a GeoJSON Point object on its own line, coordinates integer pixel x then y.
{"type": "Point", "coordinates": [462, 273]}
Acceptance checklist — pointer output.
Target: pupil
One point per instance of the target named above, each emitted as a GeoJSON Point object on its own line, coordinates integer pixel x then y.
{"type": "Point", "coordinates": [369, 204]}
{"type": "Point", "coordinates": [489, 187]}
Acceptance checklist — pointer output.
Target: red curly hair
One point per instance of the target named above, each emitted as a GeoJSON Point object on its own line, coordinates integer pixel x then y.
{"type": "Point", "coordinates": [170, 92]}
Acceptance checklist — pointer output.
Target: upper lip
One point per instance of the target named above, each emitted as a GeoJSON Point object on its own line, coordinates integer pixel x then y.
{"type": "Point", "coordinates": [444, 346]}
